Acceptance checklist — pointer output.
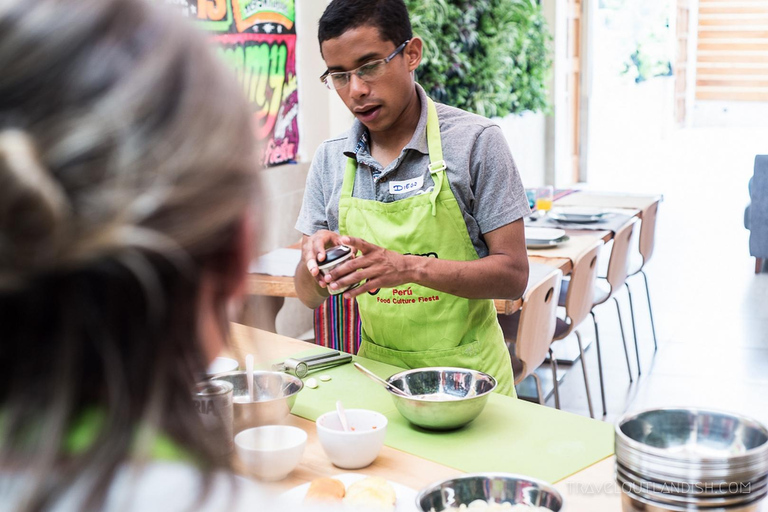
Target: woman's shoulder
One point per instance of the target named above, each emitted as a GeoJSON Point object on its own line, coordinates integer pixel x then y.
{"type": "Point", "coordinates": [168, 487]}
{"type": "Point", "coordinates": [154, 487]}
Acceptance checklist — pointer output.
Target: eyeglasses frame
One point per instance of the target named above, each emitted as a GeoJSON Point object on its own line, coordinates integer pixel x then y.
{"type": "Point", "coordinates": [349, 73]}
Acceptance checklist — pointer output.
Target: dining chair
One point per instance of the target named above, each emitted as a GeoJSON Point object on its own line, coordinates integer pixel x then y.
{"type": "Point", "coordinates": [528, 334]}
{"type": "Point", "coordinates": [646, 242]}
{"type": "Point", "coordinates": [577, 301]}
{"type": "Point", "coordinates": [605, 290]}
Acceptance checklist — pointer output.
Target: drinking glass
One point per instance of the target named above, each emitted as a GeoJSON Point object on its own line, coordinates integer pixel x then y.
{"type": "Point", "coordinates": [544, 197]}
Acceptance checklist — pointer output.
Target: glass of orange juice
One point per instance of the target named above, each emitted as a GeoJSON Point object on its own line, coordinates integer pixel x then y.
{"type": "Point", "coordinates": [544, 197]}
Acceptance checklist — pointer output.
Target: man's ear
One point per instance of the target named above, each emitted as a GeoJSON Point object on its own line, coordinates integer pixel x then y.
{"type": "Point", "coordinates": [413, 53]}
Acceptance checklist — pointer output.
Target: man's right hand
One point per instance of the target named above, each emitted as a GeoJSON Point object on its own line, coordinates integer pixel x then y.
{"type": "Point", "coordinates": [313, 252]}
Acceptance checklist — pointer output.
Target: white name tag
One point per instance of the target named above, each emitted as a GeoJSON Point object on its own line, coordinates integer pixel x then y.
{"type": "Point", "coordinates": [401, 187]}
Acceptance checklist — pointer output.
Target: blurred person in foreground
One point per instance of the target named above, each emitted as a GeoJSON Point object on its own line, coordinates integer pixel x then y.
{"type": "Point", "coordinates": [127, 181]}
{"type": "Point", "coordinates": [428, 196]}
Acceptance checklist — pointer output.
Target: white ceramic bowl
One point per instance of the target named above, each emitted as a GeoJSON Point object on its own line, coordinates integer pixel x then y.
{"type": "Point", "coordinates": [271, 452]}
{"type": "Point", "coordinates": [222, 365]}
{"type": "Point", "coordinates": [358, 447]}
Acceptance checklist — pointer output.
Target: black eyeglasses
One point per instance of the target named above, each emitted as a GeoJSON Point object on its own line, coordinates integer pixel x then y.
{"type": "Point", "coordinates": [368, 72]}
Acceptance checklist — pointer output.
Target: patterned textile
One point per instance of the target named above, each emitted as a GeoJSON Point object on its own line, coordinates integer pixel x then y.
{"type": "Point", "coordinates": [558, 193]}
{"type": "Point", "coordinates": [337, 324]}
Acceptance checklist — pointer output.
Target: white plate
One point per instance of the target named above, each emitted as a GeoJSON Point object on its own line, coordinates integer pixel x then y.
{"type": "Point", "coordinates": [292, 499]}
{"type": "Point", "coordinates": [577, 214]}
{"type": "Point", "coordinates": [530, 244]}
{"type": "Point", "coordinates": [543, 234]}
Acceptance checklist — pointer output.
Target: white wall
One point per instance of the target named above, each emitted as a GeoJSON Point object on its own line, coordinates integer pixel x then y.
{"type": "Point", "coordinates": [314, 107]}
{"type": "Point", "coordinates": [282, 186]}
{"type": "Point", "coordinates": [526, 136]}
{"type": "Point", "coordinates": [557, 169]}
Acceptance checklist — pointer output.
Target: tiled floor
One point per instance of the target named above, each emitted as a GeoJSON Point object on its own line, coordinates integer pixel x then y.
{"type": "Point", "coordinates": [711, 310]}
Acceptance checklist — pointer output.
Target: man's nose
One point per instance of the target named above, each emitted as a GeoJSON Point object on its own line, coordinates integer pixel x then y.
{"type": "Point", "coordinates": [358, 88]}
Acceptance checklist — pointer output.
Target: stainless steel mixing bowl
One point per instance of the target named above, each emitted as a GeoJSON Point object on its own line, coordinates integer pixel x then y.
{"type": "Point", "coordinates": [493, 487]}
{"type": "Point", "coordinates": [275, 393]}
{"type": "Point", "coordinates": [441, 398]}
{"type": "Point", "coordinates": [693, 435]}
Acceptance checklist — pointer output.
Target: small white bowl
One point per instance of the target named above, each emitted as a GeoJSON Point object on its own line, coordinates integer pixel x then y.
{"type": "Point", "coordinates": [358, 447]}
{"type": "Point", "coordinates": [222, 365]}
{"type": "Point", "coordinates": [271, 452]}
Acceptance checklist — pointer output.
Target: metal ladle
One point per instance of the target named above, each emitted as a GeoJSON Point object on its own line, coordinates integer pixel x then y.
{"type": "Point", "coordinates": [379, 380]}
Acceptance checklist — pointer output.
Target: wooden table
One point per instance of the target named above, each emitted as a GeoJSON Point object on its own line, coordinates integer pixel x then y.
{"type": "Point", "coordinates": [582, 491]}
{"type": "Point", "coordinates": [282, 286]}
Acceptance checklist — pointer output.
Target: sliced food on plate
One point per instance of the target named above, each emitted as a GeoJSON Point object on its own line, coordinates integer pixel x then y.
{"type": "Point", "coordinates": [354, 492]}
{"type": "Point", "coordinates": [325, 489]}
{"type": "Point", "coordinates": [371, 493]}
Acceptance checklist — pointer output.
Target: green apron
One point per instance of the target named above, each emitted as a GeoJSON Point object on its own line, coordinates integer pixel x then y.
{"type": "Point", "coordinates": [413, 326]}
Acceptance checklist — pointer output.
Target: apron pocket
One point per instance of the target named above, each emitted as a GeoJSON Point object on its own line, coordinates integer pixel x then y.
{"type": "Point", "coordinates": [463, 356]}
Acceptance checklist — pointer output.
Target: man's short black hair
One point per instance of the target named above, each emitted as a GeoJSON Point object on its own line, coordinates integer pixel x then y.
{"type": "Point", "coordinates": [389, 16]}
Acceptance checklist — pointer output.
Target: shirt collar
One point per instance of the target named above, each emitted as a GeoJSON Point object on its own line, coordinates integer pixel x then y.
{"type": "Point", "coordinates": [418, 141]}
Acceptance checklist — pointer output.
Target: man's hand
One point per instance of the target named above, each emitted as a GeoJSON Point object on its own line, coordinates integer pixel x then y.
{"type": "Point", "coordinates": [313, 252]}
{"type": "Point", "coordinates": [381, 268]}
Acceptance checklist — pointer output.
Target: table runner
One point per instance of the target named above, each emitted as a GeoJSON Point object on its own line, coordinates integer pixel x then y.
{"type": "Point", "coordinates": [510, 435]}
{"type": "Point", "coordinates": [613, 221]}
{"type": "Point", "coordinates": [571, 249]}
{"type": "Point", "coordinates": [608, 200]}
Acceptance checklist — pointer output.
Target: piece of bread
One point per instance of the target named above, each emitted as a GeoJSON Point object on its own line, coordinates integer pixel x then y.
{"type": "Point", "coordinates": [372, 493]}
{"type": "Point", "coordinates": [325, 489]}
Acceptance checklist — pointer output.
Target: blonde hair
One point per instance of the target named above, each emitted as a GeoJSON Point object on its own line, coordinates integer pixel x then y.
{"type": "Point", "coordinates": [152, 148]}
{"type": "Point", "coordinates": [127, 161]}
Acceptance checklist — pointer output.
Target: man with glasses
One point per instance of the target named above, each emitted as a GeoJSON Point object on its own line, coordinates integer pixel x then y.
{"type": "Point", "coordinates": [426, 195]}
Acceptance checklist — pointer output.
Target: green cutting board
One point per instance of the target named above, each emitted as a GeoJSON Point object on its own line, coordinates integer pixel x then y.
{"type": "Point", "coordinates": [510, 435]}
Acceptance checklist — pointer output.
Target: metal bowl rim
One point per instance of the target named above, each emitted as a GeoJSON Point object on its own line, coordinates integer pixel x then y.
{"type": "Point", "coordinates": [441, 369]}
{"type": "Point", "coordinates": [757, 466]}
{"type": "Point", "coordinates": [629, 476]}
{"type": "Point", "coordinates": [516, 476]}
{"type": "Point", "coordinates": [741, 460]}
{"type": "Point", "coordinates": [675, 508]}
{"type": "Point", "coordinates": [691, 470]}
{"type": "Point", "coordinates": [290, 378]}
{"type": "Point", "coordinates": [631, 443]}
{"type": "Point", "coordinates": [705, 501]}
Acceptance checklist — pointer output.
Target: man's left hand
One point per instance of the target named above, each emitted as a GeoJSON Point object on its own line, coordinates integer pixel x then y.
{"type": "Point", "coordinates": [381, 268]}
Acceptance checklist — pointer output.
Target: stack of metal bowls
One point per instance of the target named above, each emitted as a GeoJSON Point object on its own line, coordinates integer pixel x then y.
{"type": "Point", "coordinates": [675, 459]}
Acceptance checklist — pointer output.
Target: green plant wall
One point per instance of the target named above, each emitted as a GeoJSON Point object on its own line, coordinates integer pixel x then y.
{"type": "Point", "coordinates": [491, 57]}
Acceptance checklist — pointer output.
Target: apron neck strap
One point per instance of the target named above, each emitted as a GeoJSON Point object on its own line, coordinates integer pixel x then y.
{"type": "Point", "coordinates": [436, 162]}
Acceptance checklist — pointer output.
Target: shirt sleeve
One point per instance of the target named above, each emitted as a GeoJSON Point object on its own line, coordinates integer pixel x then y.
{"type": "Point", "coordinates": [498, 193]}
{"type": "Point", "coordinates": [312, 216]}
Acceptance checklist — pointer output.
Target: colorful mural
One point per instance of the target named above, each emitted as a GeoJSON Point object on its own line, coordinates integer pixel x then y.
{"type": "Point", "coordinates": [257, 38]}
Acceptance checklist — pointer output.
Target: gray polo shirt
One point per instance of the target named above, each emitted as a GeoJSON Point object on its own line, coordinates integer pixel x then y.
{"type": "Point", "coordinates": [481, 172]}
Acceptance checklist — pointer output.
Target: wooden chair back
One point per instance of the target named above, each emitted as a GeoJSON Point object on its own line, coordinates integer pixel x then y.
{"type": "Point", "coordinates": [581, 289]}
{"type": "Point", "coordinates": [537, 323]}
{"type": "Point", "coordinates": [648, 232]}
{"type": "Point", "coordinates": [618, 262]}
